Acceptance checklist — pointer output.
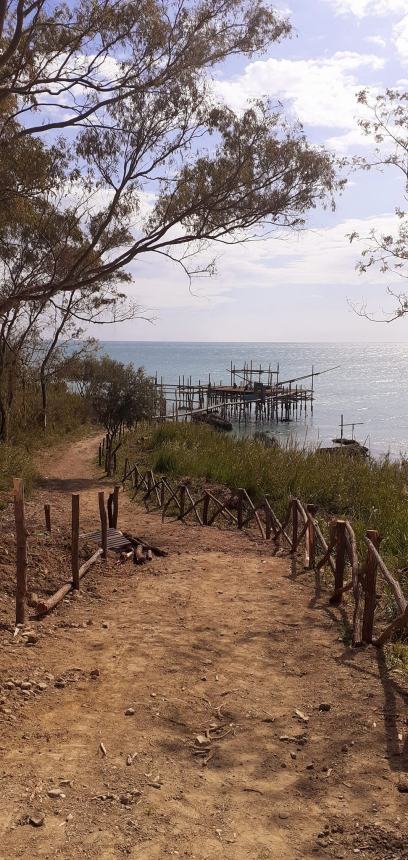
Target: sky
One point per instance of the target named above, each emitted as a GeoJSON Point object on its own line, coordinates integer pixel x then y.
{"type": "Point", "coordinates": [297, 287]}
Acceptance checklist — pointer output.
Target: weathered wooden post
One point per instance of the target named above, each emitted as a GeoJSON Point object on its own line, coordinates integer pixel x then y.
{"type": "Point", "coordinates": [75, 541]}
{"type": "Point", "coordinates": [268, 519]}
{"type": "Point", "coordinates": [125, 469]}
{"type": "Point", "coordinates": [162, 493]}
{"type": "Point", "coordinates": [47, 513]}
{"type": "Point", "coordinates": [240, 508]}
{"type": "Point", "coordinates": [295, 525]}
{"type": "Point", "coordinates": [206, 504]}
{"type": "Point", "coordinates": [370, 583]}
{"type": "Point", "coordinates": [110, 511]}
{"type": "Point", "coordinates": [116, 505]}
{"type": "Point", "coordinates": [21, 555]}
{"type": "Point", "coordinates": [104, 523]}
{"type": "Point", "coordinates": [340, 528]}
{"type": "Point", "coordinates": [310, 554]}
{"type": "Point", "coordinates": [149, 478]}
{"type": "Point", "coordinates": [100, 454]}
{"type": "Point", "coordinates": [182, 501]}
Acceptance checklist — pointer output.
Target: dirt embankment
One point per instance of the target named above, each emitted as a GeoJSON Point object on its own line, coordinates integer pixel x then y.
{"type": "Point", "coordinates": [204, 706]}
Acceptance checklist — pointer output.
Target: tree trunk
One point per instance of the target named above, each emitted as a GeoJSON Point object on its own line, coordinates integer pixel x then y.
{"type": "Point", "coordinates": [108, 458]}
{"type": "Point", "coordinates": [4, 420]}
{"type": "Point", "coordinates": [44, 401]}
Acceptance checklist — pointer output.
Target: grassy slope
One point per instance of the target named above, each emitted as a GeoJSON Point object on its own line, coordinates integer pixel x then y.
{"type": "Point", "coordinates": [370, 495]}
{"type": "Point", "coordinates": [68, 419]}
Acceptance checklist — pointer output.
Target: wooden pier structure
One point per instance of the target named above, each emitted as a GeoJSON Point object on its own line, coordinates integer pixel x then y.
{"type": "Point", "coordinates": [253, 394]}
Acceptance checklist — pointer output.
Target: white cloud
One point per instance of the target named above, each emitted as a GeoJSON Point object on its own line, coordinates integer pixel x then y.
{"type": "Point", "coordinates": [343, 143]}
{"type": "Point", "coordinates": [322, 91]}
{"type": "Point", "coordinates": [378, 41]}
{"type": "Point", "coordinates": [363, 8]}
{"type": "Point", "coordinates": [314, 258]}
{"type": "Point", "coordinates": [400, 38]}
{"type": "Point", "coordinates": [321, 257]}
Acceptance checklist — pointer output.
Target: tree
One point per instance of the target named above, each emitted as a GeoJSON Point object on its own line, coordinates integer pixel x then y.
{"type": "Point", "coordinates": [151, 162]}
{"type": "Point", "coordinates": [120, 397]}
{"type": "Point", "coordinates": [387, 125]}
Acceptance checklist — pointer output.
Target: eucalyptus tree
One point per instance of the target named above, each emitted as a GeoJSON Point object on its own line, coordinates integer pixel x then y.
{"type": "Point", "coordinates": [151, 162]}
{"type": "Point", "coordinates": [386, 128]}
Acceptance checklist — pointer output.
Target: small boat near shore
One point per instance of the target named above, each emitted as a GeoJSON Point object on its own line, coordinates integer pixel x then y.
{"type": "Point", "coordinates": [214, 420]}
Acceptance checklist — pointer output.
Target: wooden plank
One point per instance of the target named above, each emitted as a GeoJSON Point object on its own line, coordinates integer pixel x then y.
{"type": "Point", "coordinates": [340, 561]}
{"type": "Point", "coordinates": [328, 549]}
{"type": "Point", "coordinates": [268, 519]}
{"type": "Point", "coordinates": [182, 493]}
{"type": "Point", "coordinates": [173, 497]}
{"type": "Point", "coordinates": [240, 507]}
{"type": "Point", "coordinates": [46, 605]}
{"type": "Point", "coordinates": [370, 582]}
{"type": "Point", "coordinates": [282, 526]}
{"type": "Point", "coordinates": [310, 551]}
{"type": "Point", "coordinates": [255, 513]}
{"type": "Point", "coordinates": [104, 523]}
{"type": "Point", "coordinates": [75, 541]}
{"type": "Point", "coordinates": [206, 505]}
{"type": "Point", "coordinates": [392, 582]}
{"type": "Point", "coordinates": [134, 541]}
{"type": "Point", "coordinates": [21, 547]}
{"type": "Point", "coordinates": [396, 625]}
{"type": "Point", "coordinates": [351, 545]}
{"type": "Point", "coordinates": [223, 507]}
{"type": "Point", "coordinates": [194, 505]}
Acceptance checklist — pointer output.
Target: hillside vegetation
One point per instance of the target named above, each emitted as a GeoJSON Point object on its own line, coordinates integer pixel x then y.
{"type": "Point", "coordinates": [370, 494]}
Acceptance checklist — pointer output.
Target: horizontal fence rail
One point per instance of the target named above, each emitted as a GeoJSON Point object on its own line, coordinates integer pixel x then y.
{"type": "Point", "coordinates": [299, 527]}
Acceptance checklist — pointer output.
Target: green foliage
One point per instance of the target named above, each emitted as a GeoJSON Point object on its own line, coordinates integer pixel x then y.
{"type": "Point", "coordinates": [15, 461]}
{"type": "Point", "coordinates": [69, 417]}
{"type": "Point", "coordinates": [133, 127]}
{"type": "Point", "coordinates": [118, 395]}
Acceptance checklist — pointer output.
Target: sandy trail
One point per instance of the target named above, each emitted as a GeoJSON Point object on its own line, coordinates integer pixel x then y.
{"type": "Point", "coordinates": [214, 648]}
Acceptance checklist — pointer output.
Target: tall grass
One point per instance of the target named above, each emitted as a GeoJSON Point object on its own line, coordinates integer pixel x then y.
{"type": "Point", "coordinates": [68, 418]}
{"type": "Point", "coordinates": [15, 461]}
{"type": "Point", "coordinates": [372, 495]}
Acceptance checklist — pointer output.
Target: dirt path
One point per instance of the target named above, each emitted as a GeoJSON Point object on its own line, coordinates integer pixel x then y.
{"type": "Point", "coordinates": [214, 649]}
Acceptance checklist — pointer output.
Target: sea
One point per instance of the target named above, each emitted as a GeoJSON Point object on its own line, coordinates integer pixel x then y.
{"type": "Point", "coordinates": [368, 384]}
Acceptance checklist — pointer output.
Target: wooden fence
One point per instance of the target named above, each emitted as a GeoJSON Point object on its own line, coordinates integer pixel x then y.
{"type": "Point", "coordinates": [299, 528]}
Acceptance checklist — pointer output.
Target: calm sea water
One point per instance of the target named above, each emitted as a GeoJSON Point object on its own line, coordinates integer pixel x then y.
{"type": "Point", "coordinates": [370, 386]}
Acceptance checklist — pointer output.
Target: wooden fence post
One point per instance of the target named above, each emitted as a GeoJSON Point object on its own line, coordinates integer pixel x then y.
{"type": "Point", "coordinates": [114, 463]}
{"type": "Point", "coordinates": [370, 583]}
{"type": "Point", "coordinates": [75, 541]}
{"type": "Point", "coordinates": [125, 469]}
{"type": "Point", "coordinates": [116, 505]}
{"type": "Point", "coordinates": [182, 501]}
{"type": "Point", "coordinates": [104, 524]}
{"type": "Point", "coordinates": [206, 504]}
{"type": "Point", "coordinates": [100, 455]}
{"type": "Point", "coordinates": [21, 556]}
{"type": "Point", "coordinates": [162, 493]}
{"type": "Point", "coordinates": [149, 483]}
{"type": "Point", "coordinates": [240, 508]}
{"type": "Point", "coordinates": [47, 512]}
{"type": "Point", "coordinates": [295, 525]}
{"type": "Point", "coordinates": [268, 519]}
{"type": "Point", "coordinates": [340, 527]}
{"type": "Point", "coordinates": [110, 510]}
{"type": "Point", "coordinates": [310, 554]}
